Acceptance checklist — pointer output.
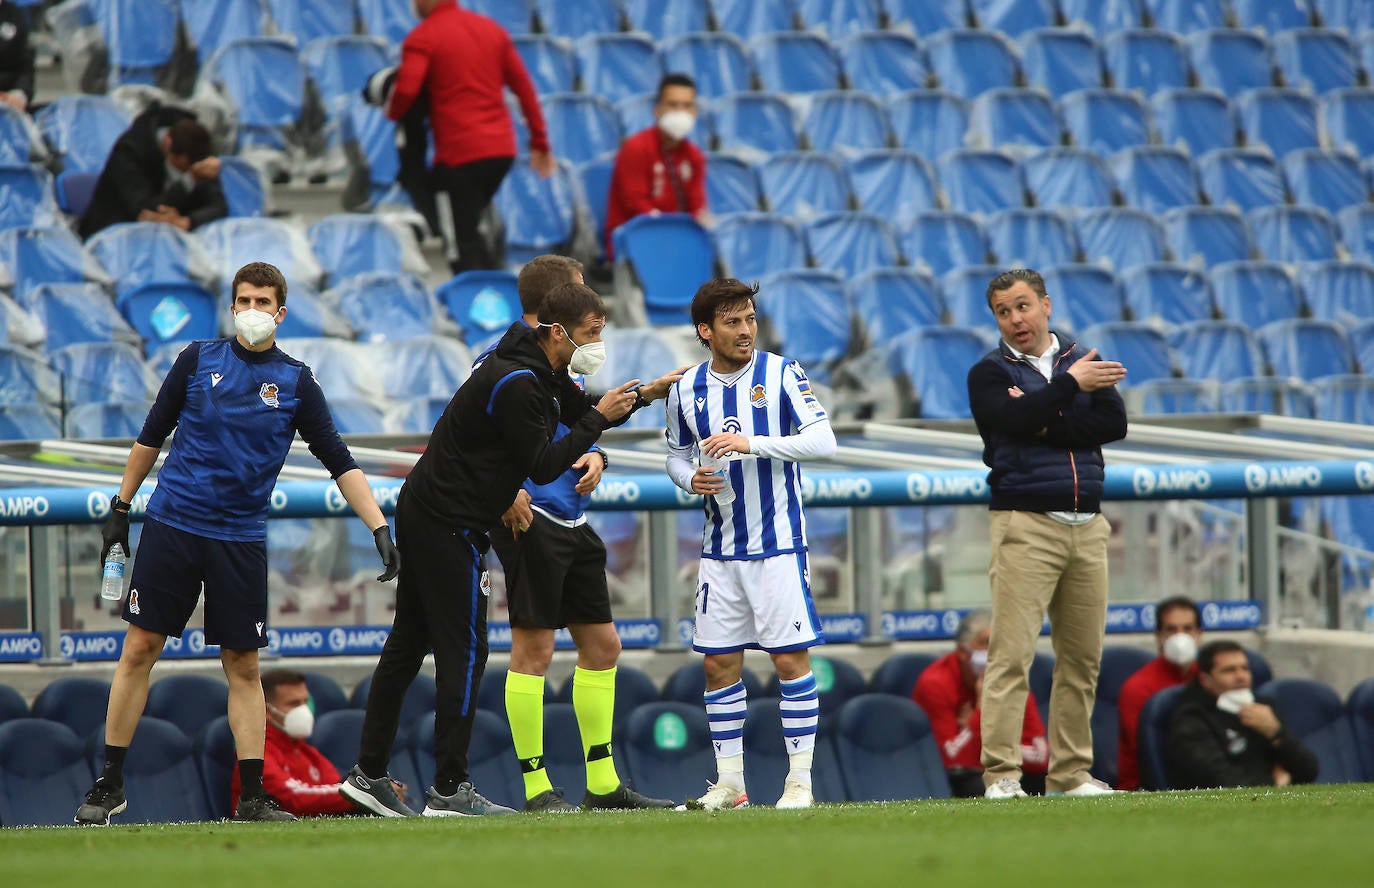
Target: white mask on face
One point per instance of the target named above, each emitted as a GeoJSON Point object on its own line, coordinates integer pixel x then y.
{"type": "Point", "coordinates": [978, 661]}
{"type": "Point", "coordinates": [254, 326]}
{"type": "Point", "coordinates": [298, 723]}
{"type": "Point", "coordinates": [677, 124]}
{"type": "Point", "coordinates": [1234, 701]}
{"type": "Point", "coordinates": [1180, 649]}
{"type": "Point", "coordinates": [586, 359]}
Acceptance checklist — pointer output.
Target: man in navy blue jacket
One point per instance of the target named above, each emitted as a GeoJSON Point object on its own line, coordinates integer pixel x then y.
{"type": "Point", "coordinates": [1044, 406]}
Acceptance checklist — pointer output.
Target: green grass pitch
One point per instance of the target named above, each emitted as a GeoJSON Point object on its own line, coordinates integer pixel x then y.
{"type": "Point", "coordinates": [1293, 837]}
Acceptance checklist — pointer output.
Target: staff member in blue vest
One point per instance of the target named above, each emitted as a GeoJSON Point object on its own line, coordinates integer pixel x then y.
{"type": "Point", "coordinates": [1044, 406]}
{"type": "Point", "coordinates": [236, 404]}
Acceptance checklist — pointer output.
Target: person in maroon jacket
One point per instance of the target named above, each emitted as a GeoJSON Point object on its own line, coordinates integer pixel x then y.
{"type": "Point", "coordinates": [463, 62]}
{"type": "Point", "coordinates": [949, 690]}
{"type": "Point", "coordinates": [1178, 633]}
{"type": "Point", "coordinates": [657, 169]}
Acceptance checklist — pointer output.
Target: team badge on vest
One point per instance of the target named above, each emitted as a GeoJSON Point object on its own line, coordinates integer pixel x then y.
{"type": "Point", "coordinates": [268, 393]}
{"type": "Point", "coordinates": [758, 397]}
{"type": "Point", "coordinates": [485, 583]}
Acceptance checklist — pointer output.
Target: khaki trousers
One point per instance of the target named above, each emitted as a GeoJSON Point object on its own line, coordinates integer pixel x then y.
{"type": "Point", "coordinates": [1039, 565]}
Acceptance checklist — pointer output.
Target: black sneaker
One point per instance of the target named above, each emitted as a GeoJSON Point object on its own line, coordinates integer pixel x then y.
{"type": "Point", "coordinates": [374, 796]}
{"type": "Point", "coordinates": [622, 798]}
{"type": "Point", "coordinates": [263, 809]}
{"type": "Point", "coordinates": [466, 801]}
{"type": "Point", "coordinates": [103, 801]}
{"type": "Point", "coordinates": [550, 801]}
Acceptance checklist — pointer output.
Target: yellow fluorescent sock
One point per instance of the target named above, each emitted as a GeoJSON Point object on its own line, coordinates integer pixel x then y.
{"type": "Point", "coordinates": [525, 711]}
{"type": "Point", "coordinates": [594, 705]}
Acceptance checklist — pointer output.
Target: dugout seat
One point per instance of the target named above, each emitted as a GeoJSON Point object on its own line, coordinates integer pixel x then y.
{"type": "Point", "coordinates": [887, 751]}
{"type": "Point", "coordinates": [766, 760]}
{"type": "Point", "coordinates": [687, 684]}
{"type": "Point", "coordinates": [43, 773]}
{"type": "Point", "coordinates": [215, 760]}
{"type": "Point", "coordinates": [1118, 664]}
{"type": "Point", "coordinates": [492, 694]}
{"type": "Point", "coordinates": [325, 693]}
{"type": "Point", "coordinates": [1361, 707]}
{"type": "Point", "coordinates": [188, 701]}
{"type": "Point", "coordinates": [898, 674]}
{"type": "Point", "coordinates": [419, 699]}
{"type": "Point", "coordinates": [160, 776]}
{"type": "Point", "coordinates": [492, 766]}
{"type": "Point", "coordinates": [76, 701]}
{"type": "Point", "coordinates": [12, 704]}
{"type": "Point", "coordinates": [633, 687]}
{"type": "Point", "coordinates": [667, 748]}
{"type": "Point", "coordinates": [1152, 738]}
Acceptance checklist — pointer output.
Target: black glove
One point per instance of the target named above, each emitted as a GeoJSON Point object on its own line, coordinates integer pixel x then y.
{"type": "Point", "coordinates": [391, 559]}
{"type": "Point", "coordinates": [115, 529]}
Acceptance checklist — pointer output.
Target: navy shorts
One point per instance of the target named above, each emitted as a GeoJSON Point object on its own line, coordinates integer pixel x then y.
{"type": "Point", "coordinates": [555, 575]}
{"type": "Point", "coordinates": [169, 569]}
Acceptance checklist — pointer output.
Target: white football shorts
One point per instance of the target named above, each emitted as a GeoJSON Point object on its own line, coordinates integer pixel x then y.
{"type": "Point", "coordinates": [764, 603]}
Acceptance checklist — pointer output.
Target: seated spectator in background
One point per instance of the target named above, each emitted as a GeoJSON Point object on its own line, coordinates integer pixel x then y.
{"type": "Point", "coordinates": [16, 57]}
{"type": "Point", "coordinates": [949, 691]}
{"type": "Point", "coordinates": [162, 169]}
{"type": "Point", "coordinates": [1222, 735]}
{"type": "Point", "coordinates": [657, 169]}
{"type": "Point", "coordinates": [1178, 632]}
{"type": "Point", "coordinates": [294, 773]}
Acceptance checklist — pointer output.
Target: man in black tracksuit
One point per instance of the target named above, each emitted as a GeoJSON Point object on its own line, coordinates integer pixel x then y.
{"type": "Point", "coordinates": [496, 432]}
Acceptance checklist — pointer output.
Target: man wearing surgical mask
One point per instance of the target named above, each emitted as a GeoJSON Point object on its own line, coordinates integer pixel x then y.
{"type": "Point", "coordinates": [1221, 734]}
{"type": "Point", "coordinates": [658, 170]}
{"type": "Point", "coordinates": [1178, 632]}
{"type": "Point", "coordinates": [949, 691]}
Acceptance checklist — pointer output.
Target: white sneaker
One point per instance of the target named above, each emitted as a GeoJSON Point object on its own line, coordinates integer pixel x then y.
{"type": "Point", "coordinates": [719, 797]}
{"type": "Point", "coordinates": [1006, 788]}
{"type": "Point", "coordinates": [1093, 787]}
{"type": "Point", "coordinates": [796, 794]}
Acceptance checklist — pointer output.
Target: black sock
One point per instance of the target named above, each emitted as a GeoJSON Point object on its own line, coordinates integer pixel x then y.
{"type": "Point", "coordinates": [250, 773]}
{"type": "Point", "coordinates": [372, 769]}
{"type": "Point", "coordinates": [446, 787]}
{"type": "Point", "coordinates": [114, 764]}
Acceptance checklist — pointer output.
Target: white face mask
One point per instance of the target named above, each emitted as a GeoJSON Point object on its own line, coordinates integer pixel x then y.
{"type": "Point", "coordinates": [978, 661]}
{"type": "Point", "coordinates": [677, 124]}
{"type": "Point", "coordinates": [299, 723]}
{"type": "Point", "coordinates": [586, 359]}
{"type": "Point", "coordinates": [1180, 649]}
{"type": "Point", "coordinates": [1234, 701]}
{"type": "Point", "coordinates": [254, 326]}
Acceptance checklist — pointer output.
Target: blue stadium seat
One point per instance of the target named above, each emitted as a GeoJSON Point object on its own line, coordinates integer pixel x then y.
{"type": "Point", "coordinates": [965, 290]}
{"type": "Point", "coordinates": [29, 422]}
{"type": "Point", "coordinates": [539, 214]}
{"type": "Point", "coordinates": [930, 123]}
{"type": "Point", "coordinates": [81, 130]}
{"type": "Point", "coordinates": [423, 366]}
{"type": "Point", "coordinates": [1356, 15]}
{"type": "Point", "coordinates": [1237, 285]}
{"type": "Point", "coordinates": [927, 16]}
{"type": "Point", "coordinates": [340, 65]}
{"type": "Point", "coordinates": [1025, 238]}
{"type": "Point", "coordinates": [26, 197]}
{"type": "Point", "coordinates": [78, 314]}
{"type": "Point", "coordinates": [233, 243]}
{"type": "Point", "coordinates": [766, 758]}
{"type": "Point", "coordinates": [667, 18]}
{"type": "Point", "coordinates": [1019, 120]}
{"type": "Point", "coordinates": [1103, 16]}
{"type": "Point", "coordinates": [636, 353]}
{"type": "Point", "coordinates": [1272, 17]}
{"type": "Point", "coordinates": [369, 144]}
{"type": "Point", "coordinates": [1345, 399]}
{"type": "Point", "coordinates": [419, 700]}
{"type": "Point", "coordinates": [310, 317]}
{"type": "Point", "coordinates": [414, 416]}
{"type": "Point", "coordinates": [309, 20]}
{"type": "Point", "coordinates": [491, 696]}
{"type": "Point", "coordinates": [897, 185]}
{"type": "Point", "coordinates": [933, 362]}
{"type": "Point", "coordinates": [1347, 118]}
{"type": "Point", "coordinates": [1105, 120]}
{"type": "Point", "coordinates": [940, 241]}
{"type": "Point", "coordinates": [1231, 61]}
{"type": "Point", "coordinates": [43, 768]}
{"type": "Point", "coordinates": [21, 143]}
{"type": "Point", "coordinates": [137, 43]}
{"type": "Point", "coordinates": [851, 243]}
{"type": "Point", "coordinates": [349, 244]}
{"type": "Point", "coordinates": [1246, 178]}
{"type": "Point", "coordinates": [563, 755]}
{"type": "Point", "coordinates": [325, 693]}
{"type": "Point", "coordinates": [1265, 394]}
{"type": "Point", "coordinates": [969, 63]}
{"type": "Point", "coordinates": [616, 66]}
{"type": "Point", "coordinates": [888, 302]}
{"type": "Point", "coordinates": [216, 760]}
{"type": "Point", "coordinates": [804, 184]}
{"type": "Point", "coordinates": [1082, 295]}
{"type": "Point", "coordinates": [393, 305]}
{"type": "Point", "coordinates": [1328, 179]}
{"type": "Point", "coordinates": [1118, 664]}
{"type": "Point", "coordinates": [1339, 291]}
{"type": "Point", "coordinates": [719, 63]}
{"type": "Point", "coordinates": [887, 751]}
{"type": "Point", "coordinates": [579, 19]}
{"type": "Point", "coordinates": [1146, 61]}
{"type": "Point", "coordinates": [74, 190]}
{"type": "Point", "coordinates": [1313, 712]}
{"type": "Point", "coordinates": [1196, 120]}
{"type": "Point", "coordinates": [265, 82]}
{"type": "Point", "coordinates": [138, 253]}
{"type": "Point", "coordinates": [1283, 119]}
{"type": "Point", "coordinates": [1140, 346]}
{"type": "Point", "coordinates": [898, 674]}
{"type": "Point", "coordinates": [583, 127]}
{"type": "Point", "coordinates": [751, 245]}
{"type": "Point", "coordinates": [981, 181]}
{"type": "Point", "coordinates": [188, 701]}
{"type": "Point", "coordinates": [160, 776]}
{"type": "Point", "coordinates": [1187, 15]}
{"type": "Point", "coordinates": [667, 749]}
{"type": "Point", "coordinates": [1152, 738]}
{"type": "Point", "coordinates": [78, 702]}
{"type": "Point", "coordinates": [731, 186]}
{"type": "Point", "coordinates": [594, 178]}
{"type": "Point", "coordinates": [1307, 349]}
{"type": "Point", "coordinates": [1294, 234]}
{"type": "Point", "coordinates": [1205, 236]}
{"type": "Point", "coordinates": [26, 378]}
{"type": "Point", "coordinates": [1156, 179]}
{"type": "Point", "coordinates": [883, 62]}
{"type": "Point", "coordinates": [749, 18]}
{"type": "Point", "coordinates": [244, 187]}
{"type": "Point", "coordinates": [550, 61]}
{"type": "Point", "coordinates": [846, 121]}
{"type": "Point", "coordinates": [796, 62]}
{"type": "Point", "coordinates": [1362, 340]}
{"type": "Point", "coordinates": [1171, 397]}
{"type": "Point", "coordinates": [1120, 238]}
{"type": "Point", "coordinates": [687, 684]}
{"type": "Point", "coordinates": [804, 316]}
{"type": "Point", "coordinates": [837, 681]}
{"type": "Point", "coordinates": [1169, 294]}
{"type": "Point", "coordinates": [1061, 178]}
{"type": "Point", "coordinates": [492, 765]}
{"type": "Point", "coordinates": [211, 24]}
{"type": "Point", "coordinates": [484, 303]}
{"type": "Point", "coordinates": [1061, 60]}
{"type": "Point", "coordinates": [669, 254]}
{"type": "Point", "coordinates": [37, 256]}
{"type": "Point", "coordinates": [1014, 17]}
{"type": "Point", "coordinates": [753, 125]}
{"type": "Point", "coordinates": [633, 687]}
{"type": "Point", "coordinates": [1315, 59]}
{"type": "Point", "coordinates": [1360, 703]}
{"type": "Point", "coordinates": [1357, 230]}
{"type": "Point", "coordinates": [838, 19]}
{"type": "Point", "coordinates": [163, 312]}
{"type": "Point", "coordinates": [337, 736]}
{"type": "Point", "coordinates": [516, 16]}
{"type": "Point", "coordinates": [12, 704]}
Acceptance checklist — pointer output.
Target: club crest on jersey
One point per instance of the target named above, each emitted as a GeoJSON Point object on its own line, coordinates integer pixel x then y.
{"type": "Point", "coordinates": [133, 601]}
{"type": "Point", "coordinates": [758, 397]}
{"type": "Point", "coordinates": [268, 393]}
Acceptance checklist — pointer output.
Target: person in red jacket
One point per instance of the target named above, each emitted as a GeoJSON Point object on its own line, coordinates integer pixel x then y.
{"type": "Point", "coordinates": [462, 62]}
{"type": "Point", "coordinates": [657, 169]}
{"type": "Point", "coordinates": [949, 691]}
{"type": "Point", "coordinates": [1178, 633]}
{"type": "Point", "coordinates": [295, 773]}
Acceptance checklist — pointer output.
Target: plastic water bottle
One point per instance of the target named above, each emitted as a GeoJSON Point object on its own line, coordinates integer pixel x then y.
{"type": "Point", "coordinates": [722, 468]}
{"type": "Point", "coordinates": [112, 582]}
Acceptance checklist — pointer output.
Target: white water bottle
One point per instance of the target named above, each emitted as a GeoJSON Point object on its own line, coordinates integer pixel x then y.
{"type": "Point", "coordinates": [112, 581]}
{"type": "Point", "coordinates": [722, 469]}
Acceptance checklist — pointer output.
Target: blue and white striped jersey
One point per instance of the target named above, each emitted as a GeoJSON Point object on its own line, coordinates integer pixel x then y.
{"type": "Point", "coordinates": [771, 397]}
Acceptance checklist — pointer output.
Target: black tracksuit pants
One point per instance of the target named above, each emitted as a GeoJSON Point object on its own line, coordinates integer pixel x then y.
{"type": "Point", "coordinates": [461, 195]}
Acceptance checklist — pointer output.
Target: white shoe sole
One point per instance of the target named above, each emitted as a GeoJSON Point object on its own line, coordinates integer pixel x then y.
{"type": "Point", "coordinates": [366, 800]}
{"type": "Point", "coordinates": [794, 806]}
{"type": "Point", "coordinates": [437, 812]}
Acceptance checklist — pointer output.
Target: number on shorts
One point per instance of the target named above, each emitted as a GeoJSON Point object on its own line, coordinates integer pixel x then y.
{"type": "Point", "coordinates": [702, 596]}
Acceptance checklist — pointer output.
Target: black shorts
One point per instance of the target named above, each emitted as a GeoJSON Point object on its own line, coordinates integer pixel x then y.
{"type": "Point", "coordinates": [168, 571]}
{"type": "Point", "coordinates": [555, 575]}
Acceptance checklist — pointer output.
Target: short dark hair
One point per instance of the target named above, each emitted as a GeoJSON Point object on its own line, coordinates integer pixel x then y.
{"type": "Point", "coordinates": [720, 295]}
{"type": "Point", "coordinates": [1207, 654]}
{"type": "Point", "coordinates": [1174, 602]}
{"type": "Point", "coordinates": [260, 274]}
{"type": "Point", "coordinates": [1006, 279]}
{"type": "Point", "coordinates": [673, 78]}
{"type": "Point", "coordinates": [275, 678]}
{"type": "Point", "coordinates": [190, 139]}
{"type": "Point", "coordinates": [567, 304]}
{"type": "Point", "coordinates": [540, 275]}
